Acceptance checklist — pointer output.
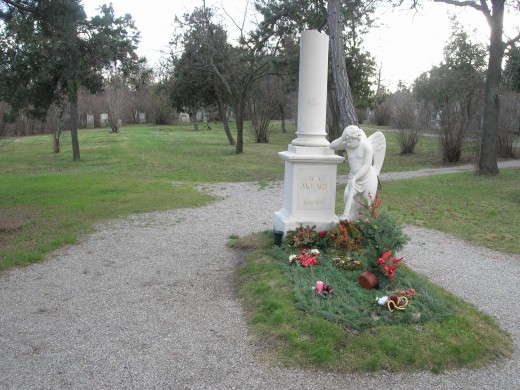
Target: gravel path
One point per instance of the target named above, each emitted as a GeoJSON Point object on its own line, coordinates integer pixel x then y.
{"type": "Point", "coordinates": [147, 302]}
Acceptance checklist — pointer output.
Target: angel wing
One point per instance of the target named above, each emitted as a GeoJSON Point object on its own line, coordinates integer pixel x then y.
{"type": "Point", "coordinates": [378, 142]}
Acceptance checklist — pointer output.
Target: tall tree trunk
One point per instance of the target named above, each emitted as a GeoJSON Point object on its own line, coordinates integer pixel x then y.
{"type": "Point", "coordinates": [241, 108]}
{"type": "Point", "coordinates": [282, 114]}
{"type": "Point", "coordinates": [488, 164]}
{"type": "Point", "coordinates": [73, 97]}
{"type": "Point", "coordinates": [333, 117]}
{"type": "Point", "coordinates": [195, 122]}
{"type": "Point", "coordinates": [339, 68]}
{"type": "Point", "coordinates": [223, 116]}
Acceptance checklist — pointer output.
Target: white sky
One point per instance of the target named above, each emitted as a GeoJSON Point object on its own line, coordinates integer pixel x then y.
{"type": "Point", "coordinates": [406, 45]}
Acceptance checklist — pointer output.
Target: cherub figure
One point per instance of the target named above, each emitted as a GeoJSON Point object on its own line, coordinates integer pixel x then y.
{"type": "Point", "coordinates": [365, 157]}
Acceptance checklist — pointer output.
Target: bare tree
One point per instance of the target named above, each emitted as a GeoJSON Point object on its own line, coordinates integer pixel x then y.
{"type": "Point", "coordinates": [116, 94]}
{"type": "Point", "coordinates": [456, 118]}
{"type": "Point", "coordinates": [266, 99]}
{"type": "Point", "coordinates": [55, 120]}
{"type": "Point", "coordinates": [249, 62]}
{"type": "Point", "coordinates": [4, 110]}
{"type": "Point", "coordinates": [405, 118]}
{"type": "Point", "coordinates": [493, 11]}
{"type": "Point", "coordinates": [202, 62]}
{"type": "Point", "coordinates": [508, 123]}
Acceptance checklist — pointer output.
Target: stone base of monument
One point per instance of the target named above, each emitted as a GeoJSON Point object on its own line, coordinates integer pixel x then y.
{"type": "Point", "coordinates": [309, 188]}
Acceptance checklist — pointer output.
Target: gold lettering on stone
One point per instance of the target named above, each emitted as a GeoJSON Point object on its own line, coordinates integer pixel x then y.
{"type": "Point", "coordinates": [314, 184]}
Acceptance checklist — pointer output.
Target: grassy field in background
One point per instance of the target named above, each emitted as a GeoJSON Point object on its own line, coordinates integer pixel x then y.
{"type": "Point", "coordinates": [47, 200]}
{"type": "Point", "coordinates": [483, 210]}
{"type": "Point", "coordinates": [180, 153]}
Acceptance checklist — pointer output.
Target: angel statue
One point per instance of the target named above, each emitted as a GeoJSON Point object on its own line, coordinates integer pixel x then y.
{"type": "Point", "coordinates": [365, 157]}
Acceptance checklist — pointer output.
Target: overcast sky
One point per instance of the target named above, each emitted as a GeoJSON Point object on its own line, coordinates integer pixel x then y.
{"type": "Point", "coordinates": [406, 45]}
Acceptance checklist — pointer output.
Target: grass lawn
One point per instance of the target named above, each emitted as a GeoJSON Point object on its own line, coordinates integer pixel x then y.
{"type": "Point", "coordinates": [47, 200]}
{"type": "Point", "coordinates": [483, 210]}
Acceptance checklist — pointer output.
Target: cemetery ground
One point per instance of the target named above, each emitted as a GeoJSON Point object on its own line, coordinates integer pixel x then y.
{"type": "Point", "coordinates": [47, 201]}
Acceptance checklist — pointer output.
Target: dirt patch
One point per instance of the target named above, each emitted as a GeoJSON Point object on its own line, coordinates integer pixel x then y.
{"type": "Point", "coordinates": [249, 243]}
{"type": "Point", "coordinates": [13, 218]}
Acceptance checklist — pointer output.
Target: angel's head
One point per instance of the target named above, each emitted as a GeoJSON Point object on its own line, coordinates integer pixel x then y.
{"type": "Point", "coordinates": [352, 135]}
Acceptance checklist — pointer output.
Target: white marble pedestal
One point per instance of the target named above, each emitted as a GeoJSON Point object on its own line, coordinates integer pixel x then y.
{"type": "Point", "coordinates": [310, 164]}
{"type": "Point", "coordinates": [309, 189]}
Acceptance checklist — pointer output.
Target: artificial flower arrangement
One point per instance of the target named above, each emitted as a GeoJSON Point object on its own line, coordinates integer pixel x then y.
{"type": "Point", "coordinates": [396, 301]}
{"type": "Point", "coordinates": [388, 268]}
{"type": "Point", "coordinates": [365, 244]}
{"type": "Point", "coordinates": [322, 290]}
{"type": "Point", "coordinates": [384, 267]}
{"type": "Point", "coordinates": [305, 258]}
{"type": "Point", "coordinates": [346, 236]}
{"type": "Point", "coordinates": [347, 263]}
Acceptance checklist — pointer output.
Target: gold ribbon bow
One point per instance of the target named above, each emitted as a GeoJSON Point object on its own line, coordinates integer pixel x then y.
{"type": "Point", "coordinates": [401, 304]}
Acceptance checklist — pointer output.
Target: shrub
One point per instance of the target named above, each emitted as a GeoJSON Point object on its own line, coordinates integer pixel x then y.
{"type": "Point", "coordinates": [508, 123]}
{"type": "Point", "coordinates": [403, 110]}
{"type": "Point", "coordinates": [407, 139]}
{"type": "Point", "coordinates": [382, 114]}
{"type": "Point", "coordinates": [454, 125]}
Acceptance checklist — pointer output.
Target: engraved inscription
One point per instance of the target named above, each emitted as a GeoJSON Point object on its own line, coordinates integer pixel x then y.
{"type": "Point", "coordinates": [314, 192]}
{"type": "Point", "coordinates": [315, 183]}
{"type": "Point", "coordinates": [313, 202]}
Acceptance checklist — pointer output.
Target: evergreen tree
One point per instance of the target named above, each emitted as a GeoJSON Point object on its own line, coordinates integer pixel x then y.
{"type": "Point", "coordinates": [493, 11]}
{"type": "Point", "coordinates": [512, 69]}
{"type": "Point", "coordinates": [50, 50]}
{"type": "Point", "coordinates": [345, 21]}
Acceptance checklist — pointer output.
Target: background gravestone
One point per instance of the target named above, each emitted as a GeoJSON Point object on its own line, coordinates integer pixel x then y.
{"type": "Point", "coordinates": [90, 120]}
{"type": "Point", "coordinates": [103, 119]}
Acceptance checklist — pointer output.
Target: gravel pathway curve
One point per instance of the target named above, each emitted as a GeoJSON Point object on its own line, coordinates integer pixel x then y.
{"type": "Point", "coordinates": [131, 307]}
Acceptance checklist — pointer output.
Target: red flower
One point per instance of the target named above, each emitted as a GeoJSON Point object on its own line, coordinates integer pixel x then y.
{"type": "Point", "coordinates": [389, 269]}
{"type": "Point", "coordinates": [328, 289]}
{"type": "Point", "coordinates": [396, 260]}
{"type": "Point", "coordinates": [385, 256]}
{"type": "Point", "coordinates": [308, 261]}
{"type": "Point", "coordinates": [322, 234]}
{"type": "Point", "coordinates": [402, 293]}
{"type": "Point", "coordinates": [305, 258]}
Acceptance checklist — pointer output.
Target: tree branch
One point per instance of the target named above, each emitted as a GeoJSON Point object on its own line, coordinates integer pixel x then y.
{"type": "Point", "coordinates": [240, 28]}
{"type": "Point", "coordinates": [511, 41]}
{"type": "Point", "coordinates": [220, 77]}
{"type": "Point", "coordinates": [21, 6]}
{"type": "Point", "coordinates": [482, 7]}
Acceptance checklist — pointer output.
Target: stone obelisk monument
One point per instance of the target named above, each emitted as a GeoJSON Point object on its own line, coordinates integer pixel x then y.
{"type": "Point", "coordinates": [310, 165]}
